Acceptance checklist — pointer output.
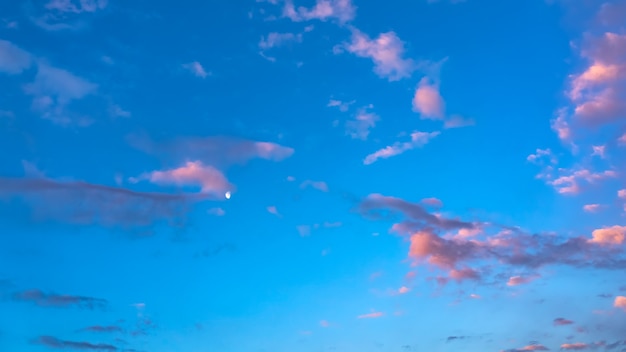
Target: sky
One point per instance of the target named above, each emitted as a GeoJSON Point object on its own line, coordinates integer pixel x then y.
{"type": "Point", "coordinates": [312, 175]}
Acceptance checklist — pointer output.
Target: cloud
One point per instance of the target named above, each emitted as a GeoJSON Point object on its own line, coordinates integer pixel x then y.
{"type": "Point", "coordinates": [324, 323]}
{"type": "Point", "coordinates": [193, 173]}
{"type": "Point", "coordinates": [79, 202]}
{"type": "Point", "coordinates": [272, 210]}
{"type": "Point", "coordinates": [427, 101]}
{"type": "Point", "coordinates": [622, 140]}
{"type": "Point", "coordinates": [599, 92]}
{"type": "Point", "coordinates": [620, 302]}
{"type": "Point", "coordinates": [592, 208]}
{"type": "Point", "coordinates": [13, 60]}
{"type": "Point", "coordinates": [464, 274]}
{"type": "Point", "coordinates": [386, 51]}
{"type": "Point", "coordinates": [561, 126]}
{"type": "Point", "coordinates": [621, 194]}
{"type": "Point", "coordinates": [43, 299]}
{"type": "Point", "coordinates": [574, 346]}
{"type": "Point", "coordinates": [541, 155]}
{"type": "Point", "coordinates": [520, 280]}
{"type": "Point", "coordinates": [417, 217]}
{"type": "Point", "coordinates": [53, 342]}
{"type": "Point", "coordinates": [614, 235]}
{"type": "Point", "coordinates": [360, 127]}
{"type": "Point", "coordinates": [404, 290]}
{"type": "Point", "coordinates": [319, 185]}
{"type": "Point", "coordinates": [432, 202]}
{"type": "Point", "coordinates": [533, 347]}
{"type": "Point", "coordinates": [562, 321]}
{"type": "Point", "coordinates": [216, 211]}
{"type": "Point", "coordinates": [341, 10]}
{"type": "Point", "coordinates": [276, 39]}
{"type": "Point", "coordinates": [104, 329]}
{"type": "Point", "coordinates": [55, 88]}
{"type": "Point", "coordinates": [569, 182]}
{"type": "Point", "coordinates": [218, 151]}
{"type": "Point", "coordinates": [197, 69]}
{"type": "Point", "coordinates": [457, 121]}
{"type": "Point", "coordinates": [74, 6]}
{"type": "Point", "coordinates": [343, 106]}
{"type": "Point", "coordinates": [418, 139]}
{"type": "Point", "coordinates": [304, 230]}
{"type": "Point", "coordinates": [372, 315]}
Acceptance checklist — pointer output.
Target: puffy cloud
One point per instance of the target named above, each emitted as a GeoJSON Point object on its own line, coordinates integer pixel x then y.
{"type": "Point", "coordinates": [360, 127]}
{"type": "Point", "coordinates": [371, 315]}
{"type": "Point", "coordinates": [620, 302]}
{"type": "Point", "coordinates": [324, 10]}
{"type": "Point", "coordinates": [427, 101]}
{"type": "Point", "coordinates": [418, 139]}
{"type": "Point", "coordinates": [343, 106]}
{"type": "Point", "coordinates": [275, 39]}
{"type": "Point", "coordinates": [614, 235]}
{"type": "Point", "coordinates": [621, 194]}
{"type": "Point", "coordinates": [569, 183]}
{"type": "Point", "coordinates": [197, 69]}
{"type": "Point", "coordinates": [386, 51]}
{"type": "Point", "coordinates": [53, 342]}
{"type": "Point", "coordinates": [13, 60]}
{"type": "Point", "coordinates": [43, 299]}
{"type": "Point", "coordinates": [562, 321]}
{"type": "Point", "coordinates": [464, 274]}
{"type": "Point", "coordinates": [561, 126]}
{"type": "Point", "coordinates": [319, 185]}
{"type": "Point", "coordinates": [404, 290]}
{"type": "Point", "coordinates": [193, 173]}
{"type": "Point", "coordinates": [443, 253]}
{"type": "Point", "coordinates": [540, 155]}
{"type": "Point", "coordinates": [598, 150]}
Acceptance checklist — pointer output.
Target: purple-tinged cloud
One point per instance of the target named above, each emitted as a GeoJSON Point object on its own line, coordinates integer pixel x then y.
{"type": "Point", "coordinates": [79, 202]}
{"type": "Point", "coordinates": [43, 299]}
{"type": "Point", "coordinates": [562, 322]}
{"type": "Point", "coordinates": [103, 329]}
{"type": "Point", "coordinates": [53, 342]}
{"type": "Point", "coordinates": [13, 60]}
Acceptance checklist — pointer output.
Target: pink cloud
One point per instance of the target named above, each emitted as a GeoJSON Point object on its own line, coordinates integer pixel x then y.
{"type": "Point", "coordinates": [319, 185]}
{"type": "Point", "coordinates": [620, 302]}
{"type": "Point", "coordinates": [574, 346]}
{"type": "Point", "coordinates": [418, 139]}
{"type": "Point", "coordinates": [614, 235]}
{"type": "Point", "coordinates": [372, 315]}
{"type": "Point", "coordinates": [432, 202]}
{"type": "Point", "coordinates": [340, 10]}
{"type": "Point", "coordinates": [404, 290]}
{"type": "Point", "coordinates": [386, 51]}
{"type": "Point", "coordinates": [193, 173]}
{"type": "Point", "coordinates": [621, 194]}
{"type": "Point", "coordinates": [427, 101]}
{"type": "Point", "coordinates": [520, 280]}
{"type": "Point", "coordinates": [562, 322]}
{"type": "Point", "coordinates": [561, 126]}
{"type": "Point", "coordinates": [13, 60]}
{"type": "Point", "coordinates": [464, 274]}
{"type": "Point", "coordinates": [599, 92]}
{"type": "Point", "coordinates": [592, 208]}
{"type": "Point", "coordinates": [570, 182]}
{"type": "Point", "coordinates": [197, 69]}
{"type": "Point", "coordinates": [540, 155]}
{"type": "Point", "coordinates": [272, 210]}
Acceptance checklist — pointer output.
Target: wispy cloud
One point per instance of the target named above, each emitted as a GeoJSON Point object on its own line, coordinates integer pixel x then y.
{"type": "Point", "coordinates": [43, 299]}
{"type": "Point", "coordinates": [418, 139]}
{"type": "Point", "coordinates": [372, 315]}
{"type": "Point", "coordinates": [562, 322]}
{"type": "Point", "coordinates": [427, 101]}
{"type": "Point", "coordinates": [319, 185]}
{"type": "Point", "coordinates": [340, 10]}
{"type": "Point", "coordinates": [360, 126]}
{"type": "Point", "coordinates": [196, 69]}
{"type": "Point", "coordinates": [13, 60]}
{"type": "Point", "coordinates": [104, 329]}
{"type": "Point", "coordinates": [276, 39]}
{"type": "Point", "coordinates": [53, 342]}
{"type": "Point", "coordinates": [386, 51]}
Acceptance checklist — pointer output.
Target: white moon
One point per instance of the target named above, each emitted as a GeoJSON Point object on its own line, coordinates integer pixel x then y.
{"type": "Point", "coordinates": [227, 195]}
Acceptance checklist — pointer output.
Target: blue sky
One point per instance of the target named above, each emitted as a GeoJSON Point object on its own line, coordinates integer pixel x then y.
{"type": "Point", "coordinates": [312, 175]}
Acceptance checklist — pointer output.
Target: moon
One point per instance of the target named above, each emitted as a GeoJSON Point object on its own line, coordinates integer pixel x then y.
{"type": "Point", "coordinates": [227, 195]}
